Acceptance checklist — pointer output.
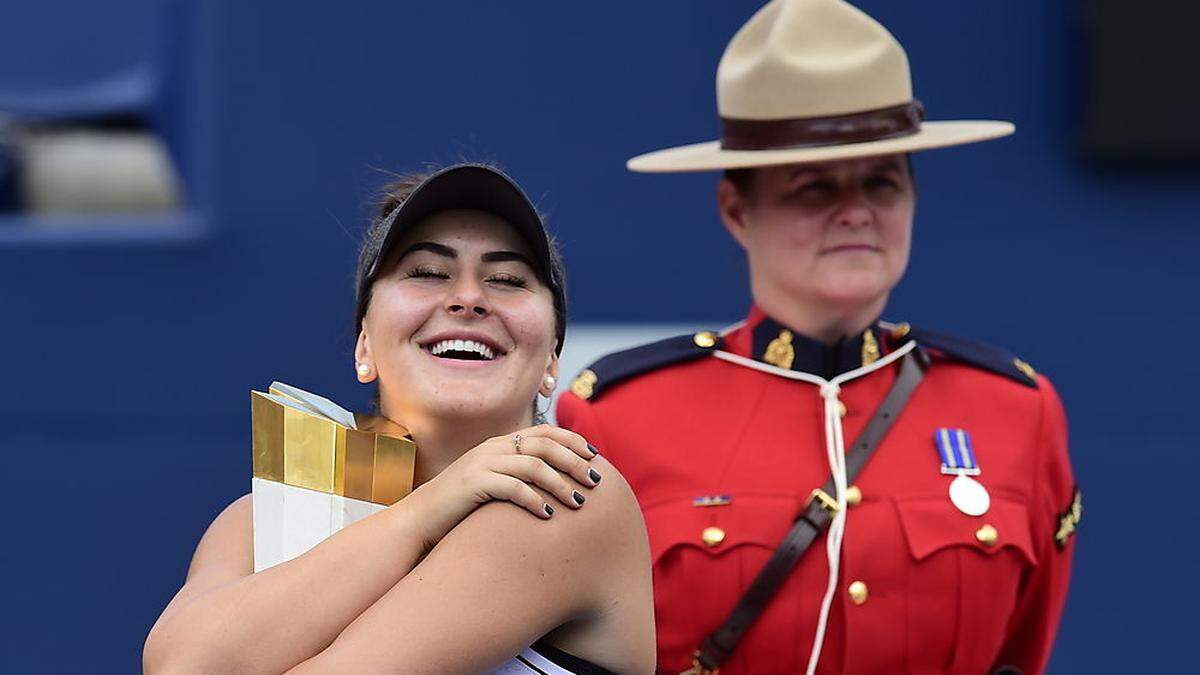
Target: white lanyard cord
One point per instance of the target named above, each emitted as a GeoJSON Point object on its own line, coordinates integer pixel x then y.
{"type": "Point", "coordinates": [835, 451]}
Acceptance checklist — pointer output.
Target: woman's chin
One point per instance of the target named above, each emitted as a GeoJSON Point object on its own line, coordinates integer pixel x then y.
{"type": "Point", "coordinates": [474, 407]}
{"type": "Point", "coordinates": [855, 289]}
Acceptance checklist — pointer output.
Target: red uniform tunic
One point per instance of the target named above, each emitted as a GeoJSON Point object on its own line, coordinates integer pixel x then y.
{"type": "Point", "coordinates": [924, 588]}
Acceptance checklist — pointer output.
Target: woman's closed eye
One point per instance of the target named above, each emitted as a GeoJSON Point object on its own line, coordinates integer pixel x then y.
{"type": "Point", "coordinates": [423, 272]}
{"type": "Point", "coordinates": [507, 279]}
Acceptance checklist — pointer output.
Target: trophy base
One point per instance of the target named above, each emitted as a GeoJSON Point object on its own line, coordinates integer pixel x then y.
{"type": "Point", "coordinates": [289, 520]}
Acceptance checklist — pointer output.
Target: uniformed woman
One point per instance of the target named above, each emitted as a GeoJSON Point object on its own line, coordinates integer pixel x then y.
{"type": "Point", "coordinates": [825, 491]}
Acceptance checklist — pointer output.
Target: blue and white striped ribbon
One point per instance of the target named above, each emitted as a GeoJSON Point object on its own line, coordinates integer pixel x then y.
{"type": "Point", "coordinates": [954, 445]}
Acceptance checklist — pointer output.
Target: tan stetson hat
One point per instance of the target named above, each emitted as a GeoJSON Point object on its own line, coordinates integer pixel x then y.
{"type": "Point", "coordinates": [813, 81]}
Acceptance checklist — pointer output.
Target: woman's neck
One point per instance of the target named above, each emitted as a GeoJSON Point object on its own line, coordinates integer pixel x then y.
{"type": "Point", "coordinates": [441, 441]}
{"type": "Point", "coordinates": [821, 322]}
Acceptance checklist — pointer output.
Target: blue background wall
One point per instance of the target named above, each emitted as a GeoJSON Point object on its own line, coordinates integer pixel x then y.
{"type": "Point", "coordinates": [126, 351]}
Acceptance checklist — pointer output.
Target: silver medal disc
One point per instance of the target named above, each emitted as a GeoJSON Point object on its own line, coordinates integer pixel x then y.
{"type": "Point", "coordinates": [969, 496]}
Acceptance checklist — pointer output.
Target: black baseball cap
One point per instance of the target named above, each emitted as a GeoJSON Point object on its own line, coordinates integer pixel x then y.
{"type": "Point", "coordinates": [465, 186]}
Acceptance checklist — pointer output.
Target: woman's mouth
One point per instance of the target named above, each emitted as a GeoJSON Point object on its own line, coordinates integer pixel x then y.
{"type": "Point", "coordinates": [849, 248]}
{"type": "Point", "coordinates": [464, 350]}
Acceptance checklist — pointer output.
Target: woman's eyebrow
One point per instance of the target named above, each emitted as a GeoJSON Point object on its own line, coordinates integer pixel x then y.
{"type": "Point", "coordinates": [504, 256]}
{"type": "Point", "coordinates": [432, 247]}
{"type": "Point", "coordinates": [889, 164]}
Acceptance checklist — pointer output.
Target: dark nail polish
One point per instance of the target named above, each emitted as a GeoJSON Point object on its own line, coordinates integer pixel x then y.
{"type": "Point", "coordinates": [594, 475]}
{"type": "Point", "coordinates": [549, 509]}
{"type": "Point", "coordinates": [577, 497]}
{"type": "Point", "coordinates": [593, 449]}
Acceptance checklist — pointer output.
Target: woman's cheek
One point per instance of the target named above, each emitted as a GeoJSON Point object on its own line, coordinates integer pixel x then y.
{"type": "Point", "coordinates": [530, 319]}
{"type": "Point", "coordinates": [899, 251]}
{"type": "Point", "coordinates": [405, 308]}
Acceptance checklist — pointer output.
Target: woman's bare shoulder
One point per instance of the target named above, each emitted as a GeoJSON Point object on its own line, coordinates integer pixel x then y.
{"type": "Point", "coordinates": [609, 517]}
{"type": "Point", "coordinates": [614, 514]}
{"type": "Point", "coordinates": [606, 536]}
{"type": "Point", "coordinates": [227, 547]}
{"type": "Point", "coordinates": [225, 553]}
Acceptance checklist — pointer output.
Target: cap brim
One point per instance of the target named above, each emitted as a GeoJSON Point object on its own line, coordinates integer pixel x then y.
{"type": "Point", "coordinates": [472, 187]}
{"type": "Point", "coordinates": [711, 157]}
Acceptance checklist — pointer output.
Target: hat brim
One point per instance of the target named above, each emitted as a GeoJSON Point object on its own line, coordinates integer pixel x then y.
{"type": "Point", "coordinates": [476, 187]}
{"type": "Point", "coordinates": [711, 157]}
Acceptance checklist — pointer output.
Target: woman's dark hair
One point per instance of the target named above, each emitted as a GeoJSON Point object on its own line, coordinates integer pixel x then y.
{"type": "Point", "coordinates": [390, 196]}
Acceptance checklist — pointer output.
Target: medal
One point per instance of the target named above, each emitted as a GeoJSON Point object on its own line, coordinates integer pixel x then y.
{"type": "Point", "coordinates": [958, 459]}
{"type": "Point", "coordinates": [969, 495]}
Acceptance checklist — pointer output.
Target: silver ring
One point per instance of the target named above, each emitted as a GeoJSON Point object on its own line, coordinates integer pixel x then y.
{"type": "Point", "coordinates": [517, 443]}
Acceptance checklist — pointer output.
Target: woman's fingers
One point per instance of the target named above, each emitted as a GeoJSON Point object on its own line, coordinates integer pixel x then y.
{"type": "Point", "coordinates": [561, 458]}
{"type": "Point", "coordinates": [536, 472]}
{"type": "Point", "coordinates": [568, 439]}
{"type": "Point", "coordinates": [508, 488]}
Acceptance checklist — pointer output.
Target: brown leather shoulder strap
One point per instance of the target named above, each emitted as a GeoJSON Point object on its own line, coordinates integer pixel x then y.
{"type": "Point", "coordinates": [816, 517]}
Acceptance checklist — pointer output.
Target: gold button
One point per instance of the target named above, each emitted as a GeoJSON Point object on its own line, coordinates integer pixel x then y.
{"type": "Point", "coordinates": [858, 592]}
{"type": "Point", "coordinates": [901, 330]}
{"type": "Point", "coordinates": [841, 409]}
{"type": "Point", "coordinates": [853, 495]}
{"type": "Point", "coordinates": [987, 535]}
{"type": "Point", "coordinates": [705, 339]}
{"type": "Point", "coordinates": [711, 536]}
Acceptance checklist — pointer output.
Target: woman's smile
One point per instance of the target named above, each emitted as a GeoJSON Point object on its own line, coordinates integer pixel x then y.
{"type": "Point", "coordinates": [463, 349]}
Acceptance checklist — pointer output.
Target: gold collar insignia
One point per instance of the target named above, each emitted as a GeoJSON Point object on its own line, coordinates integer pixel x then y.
{"type": "Point", "coordinates": [870, 348]}
{"type": "Point", "coordinates": [780, 352]}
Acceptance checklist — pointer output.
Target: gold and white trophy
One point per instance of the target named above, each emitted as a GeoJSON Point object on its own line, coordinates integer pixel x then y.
{"type": "Point", "coordinates": [318, 468]}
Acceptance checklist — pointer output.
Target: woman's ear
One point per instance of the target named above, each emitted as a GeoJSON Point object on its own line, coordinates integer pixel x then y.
{"type": "Point", "coordinates": [364, 365]}
{"type": "Point", "coordinates": [731, 204]}
{"type": "Point", "coordinates": [550, 377]}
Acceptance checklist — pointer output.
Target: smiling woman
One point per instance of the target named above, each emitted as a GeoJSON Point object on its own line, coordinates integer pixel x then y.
{"type": "Point", "coordinates": [460, 297]}
{"type": "Point", "coordinates": [460, 320]}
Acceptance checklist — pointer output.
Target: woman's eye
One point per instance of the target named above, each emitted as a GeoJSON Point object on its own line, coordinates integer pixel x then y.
{"type": "Point", "coordinates": [426, 273]}
{"type": "Point", "coordinates": [881, 182]}
{"type": "Point", "coordinates": [817, 189]}
{"type": "Point", "coordinates": [509, 280]}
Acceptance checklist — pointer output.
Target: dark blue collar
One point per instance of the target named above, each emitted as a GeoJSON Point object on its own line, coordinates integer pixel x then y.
{"type": "Point", "coordinates": [780, 346]}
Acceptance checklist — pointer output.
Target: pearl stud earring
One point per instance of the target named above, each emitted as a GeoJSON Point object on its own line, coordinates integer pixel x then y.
{"type": "Point", "coordinates": [363, 369]}
{"type": "Point", "coordinates": [549, 382]}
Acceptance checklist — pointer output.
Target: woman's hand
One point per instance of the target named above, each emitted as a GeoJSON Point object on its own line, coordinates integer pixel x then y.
{"type": "Point", "coordinates": [504, 468]}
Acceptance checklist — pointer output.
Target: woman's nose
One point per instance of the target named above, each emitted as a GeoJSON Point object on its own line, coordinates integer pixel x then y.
{"type": "Point", "coordinates": [854, 211]}
{"type": "Point", "coordinates": [855, 217]}
{"type": "Point", "coordinates": [466, 298]}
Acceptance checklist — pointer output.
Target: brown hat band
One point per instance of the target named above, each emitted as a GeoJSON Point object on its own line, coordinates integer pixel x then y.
{"type": "Point", "coordinates": [809, 132]}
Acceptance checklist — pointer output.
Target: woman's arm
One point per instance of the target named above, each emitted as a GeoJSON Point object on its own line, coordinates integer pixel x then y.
{"type": "Point", "coordinates": [501, 580]}
{"type": "Point", "coordinates": [1056, 508]}
{"type": "Point", "coordinates": [227, 619]}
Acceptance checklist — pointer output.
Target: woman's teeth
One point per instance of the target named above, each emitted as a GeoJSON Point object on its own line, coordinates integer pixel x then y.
{"type": "Point", "coordinates": [462, 349]}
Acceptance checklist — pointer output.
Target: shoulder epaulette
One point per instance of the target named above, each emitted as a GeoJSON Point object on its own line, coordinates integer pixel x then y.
{"type": "Point", "coordinates": [622, 365]}
{"type": "Point", "coordinates": [985, 356]}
